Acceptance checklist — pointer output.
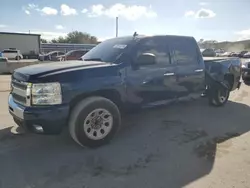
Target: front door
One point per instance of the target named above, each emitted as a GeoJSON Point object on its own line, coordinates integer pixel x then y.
{"type": "Point", "coordinates": [151, 83]}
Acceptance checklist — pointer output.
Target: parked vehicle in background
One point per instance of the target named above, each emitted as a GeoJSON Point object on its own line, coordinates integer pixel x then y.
{"type": "Point", "coordinates": [209, 52]}
{"type": "Point", "coordinates": [242, 53]}
{"type": "Point", "coordinates": [27, 43]}
{"type": "Point", "coordinates": [219, 52]}
{"type": "Point", "coordinates": [72, 55]}
{"type": "Point", "coordinates": [64, 47]}
{"type": "Point", "coordinates": [12, 54]}
{"type": "Point", "coordinates": [225, 54]}
{"type": "Point", "coordinates": [239, 54]}
{"type": "Point", "coordinates": [51, 56]}
{"type": "Point", "coordinates": [117, 75]}
{"type": "Point", "coordinates": [246, 55]}
{"type": "Point", "coordinates": [234, 54]}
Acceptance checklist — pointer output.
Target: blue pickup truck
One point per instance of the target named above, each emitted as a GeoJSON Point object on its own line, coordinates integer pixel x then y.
{"type": "Point", "coordinates": [89, 95]}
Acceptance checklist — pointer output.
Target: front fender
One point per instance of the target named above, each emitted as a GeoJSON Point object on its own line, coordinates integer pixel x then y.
{"type": "Point", "coordinates": [72, 90]}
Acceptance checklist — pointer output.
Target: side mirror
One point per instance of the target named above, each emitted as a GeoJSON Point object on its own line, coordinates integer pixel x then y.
{"type": "Point", "coordinates": [146, 59]}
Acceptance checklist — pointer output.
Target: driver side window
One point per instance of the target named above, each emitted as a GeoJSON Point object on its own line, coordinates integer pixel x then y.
{"type": "Point", "coordinates": [157, 47]}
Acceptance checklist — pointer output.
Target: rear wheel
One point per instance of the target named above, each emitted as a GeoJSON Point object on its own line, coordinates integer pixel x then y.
{"type": "Point", "coordinates": [218, 95]}
{"type": "Point", "coordinates": [94, 122]}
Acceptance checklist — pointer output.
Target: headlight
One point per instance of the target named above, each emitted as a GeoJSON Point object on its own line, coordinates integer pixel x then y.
{"type": "Point", "coordinates": [243, 66]}
{"type": "Point", "coordinates": [46, 94]}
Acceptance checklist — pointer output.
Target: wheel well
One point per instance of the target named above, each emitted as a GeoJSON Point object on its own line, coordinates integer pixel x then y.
{"type": "Point", "coordinates": [112, 95]}
{"type": "Point", "coordinates": [230, 79]}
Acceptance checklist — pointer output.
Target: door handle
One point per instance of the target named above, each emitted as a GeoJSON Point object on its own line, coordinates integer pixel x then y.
{"type": "Point", "coordinates": [199, 70]}
{"type": "Point", "coordinates": [169, 74]}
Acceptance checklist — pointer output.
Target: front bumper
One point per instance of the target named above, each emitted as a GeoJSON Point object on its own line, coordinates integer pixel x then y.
{"type": "Point", "coordinates": [52, 119]}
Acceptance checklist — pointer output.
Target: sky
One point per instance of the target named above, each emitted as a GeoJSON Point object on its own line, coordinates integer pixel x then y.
{"type": "Point", "coordinates": [221, 20]}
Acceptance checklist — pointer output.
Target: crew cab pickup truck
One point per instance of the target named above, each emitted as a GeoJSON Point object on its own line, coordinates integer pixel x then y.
{"type": "Point", "coordinates": [119, 74]}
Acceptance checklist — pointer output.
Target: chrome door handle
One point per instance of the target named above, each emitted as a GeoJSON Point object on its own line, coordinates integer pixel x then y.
{"type": "Point", "coordinates": [199, 70]}
{"type": "Point", "coordinates": [169, 74]}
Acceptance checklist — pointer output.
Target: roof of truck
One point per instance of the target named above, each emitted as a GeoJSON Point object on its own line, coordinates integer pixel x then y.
{"type": "Point", "coordinates": [147, 36]}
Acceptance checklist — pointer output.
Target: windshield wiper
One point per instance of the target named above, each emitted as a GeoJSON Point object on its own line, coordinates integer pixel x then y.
{"type": "Point", "coordinates": [93, 59]}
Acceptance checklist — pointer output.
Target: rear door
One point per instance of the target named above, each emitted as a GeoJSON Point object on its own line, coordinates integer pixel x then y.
{"type": "Point", "coordinates": [151, 83]}
{"type": "Point", "coordinates": [190, 73]}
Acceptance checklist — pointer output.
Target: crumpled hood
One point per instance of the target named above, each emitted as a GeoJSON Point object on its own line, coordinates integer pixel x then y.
{"type": "Point", "coordinates": [50, 68]}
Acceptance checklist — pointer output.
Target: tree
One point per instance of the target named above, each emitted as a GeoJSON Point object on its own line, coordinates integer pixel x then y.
{"type": "Point", "coordinates": [76, 37]}
{"type": "Point", "coordinates": [43, 40]}
{"type": "Point", "coordinates": [59, 40]}
{"type": "Point", "coordinates": [201, 41]}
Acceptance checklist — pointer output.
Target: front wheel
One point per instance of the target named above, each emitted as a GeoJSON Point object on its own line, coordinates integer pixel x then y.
{"type": "Point", "coordinates": [94, 122]}
{"type": "Point", "coordinates": [218, 95]}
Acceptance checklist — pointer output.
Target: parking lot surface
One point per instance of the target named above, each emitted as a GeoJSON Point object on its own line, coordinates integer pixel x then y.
{"type": "Point", "coordinates": [188, 144]}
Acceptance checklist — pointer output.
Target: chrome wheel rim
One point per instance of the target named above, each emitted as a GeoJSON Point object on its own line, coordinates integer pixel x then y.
{"type": "Point", "coordinates": [98, 124]}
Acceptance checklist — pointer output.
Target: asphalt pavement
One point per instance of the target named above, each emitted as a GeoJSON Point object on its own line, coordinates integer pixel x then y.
{"type": "Point", "coordinates": [188, 144]}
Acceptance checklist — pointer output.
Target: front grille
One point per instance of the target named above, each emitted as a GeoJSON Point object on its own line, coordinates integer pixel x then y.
{"type": "Point", "coordinates": [19, 91]}
{"type": "Point", "coordinates": [19, 85]}
{"type": "Point", "coordinates": [19, 99]}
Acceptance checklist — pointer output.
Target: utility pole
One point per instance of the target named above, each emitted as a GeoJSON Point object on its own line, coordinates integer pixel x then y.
{"type": "Point", "coordinates": [116, 26]}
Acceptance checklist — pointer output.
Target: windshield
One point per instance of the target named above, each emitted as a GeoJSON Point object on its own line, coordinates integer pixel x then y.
{"type": "Point", "coordinates": [109, 50]}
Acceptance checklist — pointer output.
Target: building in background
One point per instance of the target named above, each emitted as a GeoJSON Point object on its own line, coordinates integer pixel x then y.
{"type": "Point", "coordinates": [28, 44]}
{"type": "Point", "coordinates": [64, 47]}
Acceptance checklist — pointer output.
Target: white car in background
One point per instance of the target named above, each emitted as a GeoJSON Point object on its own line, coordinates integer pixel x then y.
{"type": "Point", "coordinates": [12, 54]}
{"type": "Point", "coordinates": [225, 54]}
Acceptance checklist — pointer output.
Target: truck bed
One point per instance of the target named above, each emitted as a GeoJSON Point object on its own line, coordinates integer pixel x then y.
{"type": "Point", "coordinates": [217, 58]}
{"type": "Point", "coordinates": [218, 67]}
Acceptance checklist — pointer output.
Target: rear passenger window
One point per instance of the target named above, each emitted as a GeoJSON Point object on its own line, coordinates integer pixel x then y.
{"type": "Point", "coordinates": [185, 51]}
{"type": "Point", "coordinates": [156, 47]}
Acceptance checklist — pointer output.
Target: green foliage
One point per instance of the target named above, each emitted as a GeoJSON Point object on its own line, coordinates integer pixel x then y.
{"type": "Point", "coordinates": [76, 37]}
{"type": "Point", "coordinates": [228, 46]}
{"type": "Point", "coordinates": [43, 40]}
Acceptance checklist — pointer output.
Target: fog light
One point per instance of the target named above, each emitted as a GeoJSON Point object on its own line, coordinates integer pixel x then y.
{"type": "Point", "coordinates": [38, 128]}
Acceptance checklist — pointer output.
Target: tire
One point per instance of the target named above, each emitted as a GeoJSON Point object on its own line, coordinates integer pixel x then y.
{"type": "Point", "coordinates": [18, 57]}
{"type": "Point", "coordinates": [218, 96]}
{"type": "Point", "coordinates": [86, 133]}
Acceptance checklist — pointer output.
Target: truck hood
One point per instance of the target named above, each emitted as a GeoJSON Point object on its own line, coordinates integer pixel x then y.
{"type": "Point", "coordinates": [50, 68]}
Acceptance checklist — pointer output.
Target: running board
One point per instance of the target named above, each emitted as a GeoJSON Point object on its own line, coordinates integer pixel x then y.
{"type": "Point", "coordinates": [170, 101]}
